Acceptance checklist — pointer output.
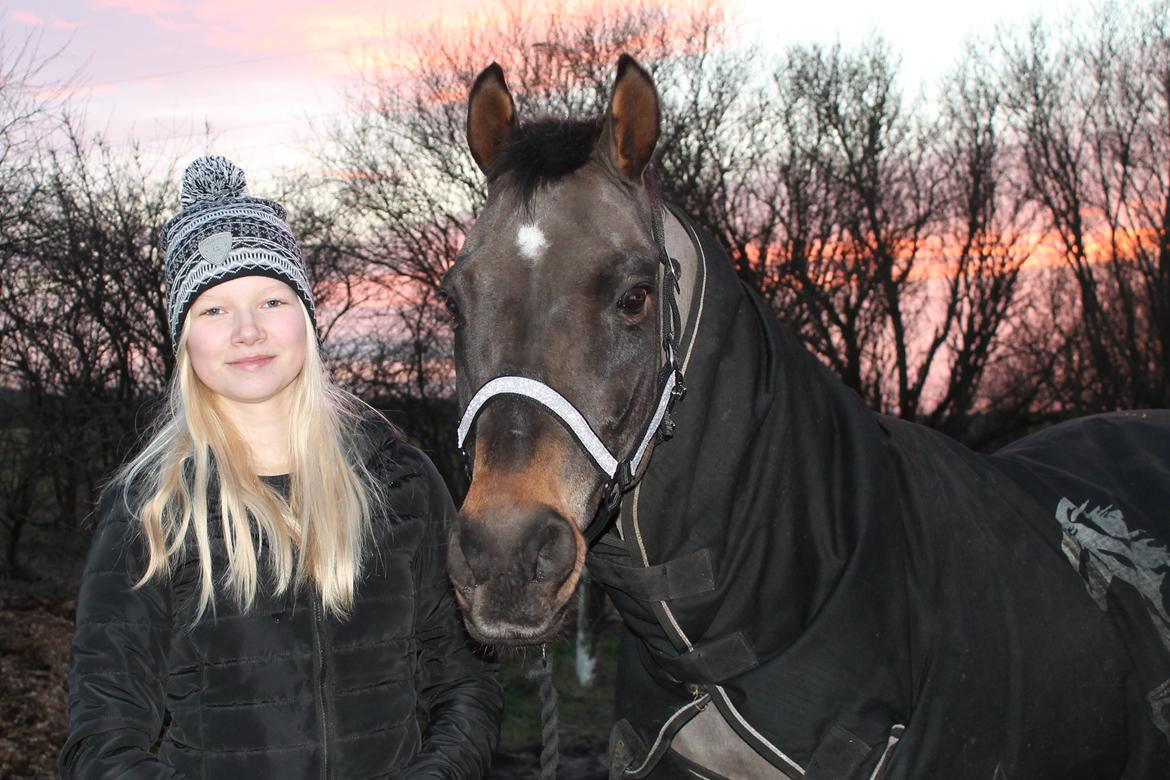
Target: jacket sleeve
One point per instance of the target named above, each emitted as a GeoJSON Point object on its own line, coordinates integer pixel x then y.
{"type": "Point", "coordinates": [116, 702]}
{"type": "Point", "coordinates": [458, 690]}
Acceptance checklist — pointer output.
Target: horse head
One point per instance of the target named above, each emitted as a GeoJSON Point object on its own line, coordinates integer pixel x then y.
{"type": "Point", "coordinates": [558, 346]}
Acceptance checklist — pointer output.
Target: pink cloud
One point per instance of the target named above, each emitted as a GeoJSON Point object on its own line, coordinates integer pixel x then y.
{"type": "Point", "coordinates": [174, 24]}
{"type": "Point", "coordinates": [163, 14]}
{"type": "Point", "coordinates": [66, 24]}
{"type": "Point", "coordinates": [25, 17]}
{"type": "Point", "coordinates": [139, 7]}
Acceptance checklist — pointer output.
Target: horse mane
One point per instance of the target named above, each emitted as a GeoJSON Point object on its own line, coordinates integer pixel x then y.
{"type": "Point", "coordinates": [542, 151]}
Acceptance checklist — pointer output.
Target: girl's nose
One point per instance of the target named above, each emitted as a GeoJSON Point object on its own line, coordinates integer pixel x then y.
{"type": "Point", "coordinates": [247, 329]}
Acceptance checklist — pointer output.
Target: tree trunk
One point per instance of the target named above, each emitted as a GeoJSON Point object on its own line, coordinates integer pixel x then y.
{"type": "Point", "coordinates": [590, 608]}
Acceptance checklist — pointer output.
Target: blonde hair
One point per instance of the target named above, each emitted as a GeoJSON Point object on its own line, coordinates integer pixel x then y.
{"type": "Point", "coordinates": [318, 533]}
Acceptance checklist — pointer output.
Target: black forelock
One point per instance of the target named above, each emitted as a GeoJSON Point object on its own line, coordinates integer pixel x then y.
{"type": "Point", "coordinates": [544, 150]}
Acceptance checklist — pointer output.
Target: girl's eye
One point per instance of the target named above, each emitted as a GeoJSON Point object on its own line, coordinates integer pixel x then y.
{"type": "Point", "coordinates": [272, 303]}
{"type": "Point", "coordinates": [212, 311]}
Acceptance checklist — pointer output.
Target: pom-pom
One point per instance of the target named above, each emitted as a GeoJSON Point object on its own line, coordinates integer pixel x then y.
{"type": "Point", "coordinates": [212, 178]}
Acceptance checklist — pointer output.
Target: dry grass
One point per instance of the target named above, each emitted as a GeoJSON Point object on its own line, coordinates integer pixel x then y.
{"type": "Point", "coordinates": [34, 661]}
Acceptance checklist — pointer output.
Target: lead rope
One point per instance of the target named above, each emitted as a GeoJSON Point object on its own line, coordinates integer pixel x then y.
{"type": "Point", "coordinates": [550, 743]}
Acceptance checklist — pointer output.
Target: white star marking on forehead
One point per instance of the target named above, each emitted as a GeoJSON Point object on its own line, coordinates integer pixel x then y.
{"type": "Point", "coordinates": [532, 242]}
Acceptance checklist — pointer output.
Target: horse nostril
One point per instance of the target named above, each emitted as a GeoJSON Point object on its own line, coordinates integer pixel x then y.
{"type": "Point", "coordinates": [458, 567]}
{"type": "Point", "coordinates": [557, 551]}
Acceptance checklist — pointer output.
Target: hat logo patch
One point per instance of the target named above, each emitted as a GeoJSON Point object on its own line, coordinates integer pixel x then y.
{"type": "Point", "coordinates": [215, 247]}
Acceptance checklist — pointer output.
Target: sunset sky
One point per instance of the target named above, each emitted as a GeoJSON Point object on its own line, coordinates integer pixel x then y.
{"type": "Point", "coordinates": [260, 74]}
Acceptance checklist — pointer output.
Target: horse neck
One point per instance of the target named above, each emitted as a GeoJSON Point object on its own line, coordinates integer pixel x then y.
{"type": "Point", "coordinates": [772, 451]}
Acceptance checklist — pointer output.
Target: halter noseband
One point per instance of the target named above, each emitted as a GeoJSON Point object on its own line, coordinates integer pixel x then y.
{"type": "Point", "coordinates": [620, 474]}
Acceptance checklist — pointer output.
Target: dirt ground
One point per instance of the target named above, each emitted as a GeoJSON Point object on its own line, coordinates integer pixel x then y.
{"type": "Point", "coordinates": [34, 661]}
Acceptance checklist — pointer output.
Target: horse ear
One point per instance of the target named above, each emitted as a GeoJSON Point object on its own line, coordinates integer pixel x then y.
{"type": "Point", "coordinates": [491, 115]}
{"type": "Point", "coordinates": [634, 118]}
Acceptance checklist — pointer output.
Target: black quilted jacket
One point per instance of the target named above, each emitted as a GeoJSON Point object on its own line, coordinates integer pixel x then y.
{"type": "Point", "coordinates": [283, 691]}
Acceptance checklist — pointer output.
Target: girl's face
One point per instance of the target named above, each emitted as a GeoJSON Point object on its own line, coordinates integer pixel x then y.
{"type": "Point", "coordinates": [246, 340]}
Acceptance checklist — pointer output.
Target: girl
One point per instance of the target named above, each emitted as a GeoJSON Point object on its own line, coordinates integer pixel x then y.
{"type": "Point", "coordinates": [269, 570]}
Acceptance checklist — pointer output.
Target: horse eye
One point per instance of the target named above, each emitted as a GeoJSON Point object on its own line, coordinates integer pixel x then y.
{"type": "Point", "coordinates": [449, 303]}
{"type": "Point", "coordinates": [633, 300]}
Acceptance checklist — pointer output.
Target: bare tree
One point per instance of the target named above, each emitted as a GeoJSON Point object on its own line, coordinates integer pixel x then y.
{"type": "Point", "coordinates": [890, 242]}
{"type": "Point", "coordinates": [872, 186]}
{"type": "Point", "coordinates": [1091, 111]}
{"type": "Point", "coordinates": [24, 123]}
{"type": "Point", "coordinates": [984, 238]}
{"type": "Point", "coordinates": [85, 341]}
{"type": "Point", "coordinates": [26, 105]}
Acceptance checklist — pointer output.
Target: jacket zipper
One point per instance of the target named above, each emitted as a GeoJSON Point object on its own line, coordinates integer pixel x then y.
{"type": "Point", "coordinates": [322, 686]}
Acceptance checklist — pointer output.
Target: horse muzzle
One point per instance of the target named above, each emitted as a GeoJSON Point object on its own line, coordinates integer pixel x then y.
{"type": "Point", "coordinates": [514, 571]}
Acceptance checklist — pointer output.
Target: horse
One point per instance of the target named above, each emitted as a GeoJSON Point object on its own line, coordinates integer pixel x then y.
{"type": "Point", "coordinates": [807, 588]}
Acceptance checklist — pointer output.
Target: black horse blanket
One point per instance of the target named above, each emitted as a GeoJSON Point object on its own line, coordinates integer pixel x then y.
{"type": "Point", "coordinates": [863, 597]}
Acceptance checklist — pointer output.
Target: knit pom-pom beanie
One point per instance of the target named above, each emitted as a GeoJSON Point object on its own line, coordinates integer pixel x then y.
{"type": "Point", "coordinates": [223, 233]}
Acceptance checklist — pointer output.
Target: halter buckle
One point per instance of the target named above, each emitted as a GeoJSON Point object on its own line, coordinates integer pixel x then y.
{"type": "Point", "coordinates": [614, 498]}
{"type": "Point", "coordinates": [666, 427]}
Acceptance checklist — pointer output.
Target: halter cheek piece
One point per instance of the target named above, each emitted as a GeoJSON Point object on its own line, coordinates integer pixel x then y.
{"type": "Point", "coordinates": [619, 473]}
